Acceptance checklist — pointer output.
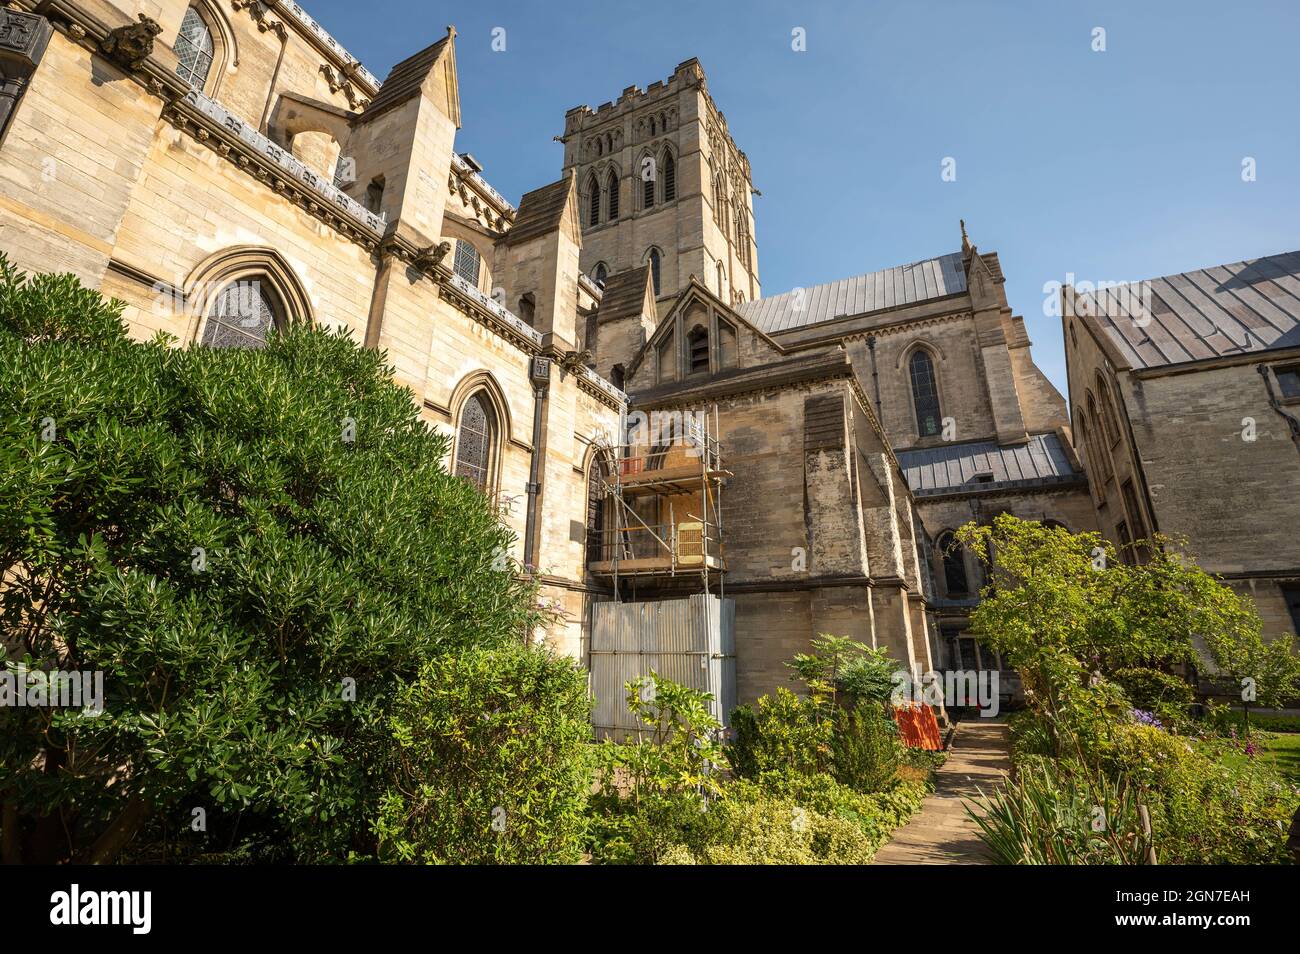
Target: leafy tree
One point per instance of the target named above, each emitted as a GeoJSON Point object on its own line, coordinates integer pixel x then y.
{"type": "Point", "coordinates": [258, 548]}
{"type": "Point", "coordinates": [1071, 616]}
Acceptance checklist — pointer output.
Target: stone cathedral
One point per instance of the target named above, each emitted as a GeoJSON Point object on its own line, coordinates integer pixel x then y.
{"type": "Point", "coordinates": [226, 166]}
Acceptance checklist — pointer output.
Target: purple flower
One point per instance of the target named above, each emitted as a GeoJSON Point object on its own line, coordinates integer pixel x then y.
{"type": "Point", "coordinates": [1143, 717]}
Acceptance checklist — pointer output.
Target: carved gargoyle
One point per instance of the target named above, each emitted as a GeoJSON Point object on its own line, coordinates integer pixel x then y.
{"type": "Point", "coordinates": [131, 45]}
{"type": "Point", "coordinates": [433, 255]}
{"type": "Point", "coordinates": [573, 361]}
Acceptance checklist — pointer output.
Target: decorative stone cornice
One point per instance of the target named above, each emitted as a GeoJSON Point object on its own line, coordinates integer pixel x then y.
{"type": "Point", "coordinates": [339, 83]}
{"type": "Point", "coordinates": [488, 312]}
{"type": "Point", "coordinates": [233, 138]}
{"type": "Point", "coordinates": [475, 192]}
{"type": "Point", "coordinates": [349, 66]}
{"type": "Point", "coordinates": [264, 23]}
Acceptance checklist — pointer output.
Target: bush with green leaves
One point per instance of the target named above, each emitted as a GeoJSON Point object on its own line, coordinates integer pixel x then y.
{"type": "Point", "coordinates": [221, 533]}
{"type": "Point", "coordinates": [796, 819]}
{"type": "Point", "coordinates": [1152, 689]}
{"type": "Point", "coordinates": [653, 792]}
{"type": "Point", "coordinates": [865, 750]}
{"type": "Point", "coordinates": [842, 727]}
{"type": "Point", "coordinates": [1203, 810]}
{"type": "Point", "coordinates": [780, 733]}
{"type": "Point", "coordinates": [491, 763]}
{"type": "Point", "coordinates": [843, 670]}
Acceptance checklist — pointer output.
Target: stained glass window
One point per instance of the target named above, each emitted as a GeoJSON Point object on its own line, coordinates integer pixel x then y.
{"type": "Point", "coordinates": [240, 316]}
{"type": "Point", "coordinates": [474, 444]}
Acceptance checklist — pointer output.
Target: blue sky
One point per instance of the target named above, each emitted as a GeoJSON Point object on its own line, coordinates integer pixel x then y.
{"type": "Point", "coordinates": [1114, 165]}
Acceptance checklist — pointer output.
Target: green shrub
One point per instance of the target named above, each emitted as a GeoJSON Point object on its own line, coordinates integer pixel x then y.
{"type": "Point", "coordinates": [1152, 689]}
{"type": "Point", "coordinates": [1204, 811]}
{"type": "Point", "coordinates": [491, 762]}
{"type": "Point", "coordinates": [767, 830]}
{"type": "Point", "coordinates": [654, 793]}
{"type": "Point", "coordinates": [255, 586]}
{"type": "Point", "coordinates": [877, 813]}
{"type": "Point", "coordinates": [796, 819]}
{"type": "Point", "coordinates": [781, 733]}
{"type": "Point", "coordinates": [865, 748]}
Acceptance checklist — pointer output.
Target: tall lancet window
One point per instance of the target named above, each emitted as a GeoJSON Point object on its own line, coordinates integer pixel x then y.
{"type": "Point", "coordinates": [611, 188]}
{"type": "Point", "coordinates": [593, 197]}
{"type": "Point", "coordinates": [474, 441]}
{"type": "Point", "coordinates": [925, 394]}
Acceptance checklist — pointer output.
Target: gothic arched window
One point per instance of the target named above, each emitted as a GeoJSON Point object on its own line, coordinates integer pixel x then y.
{"type": "Point", "coordinates": [194, 49]}
{"type": "Point", "coordinates": [475, 441]}
{"type": "Point", "coordinates": [654, 269]}
{"type": "Point", "coordinates": [697, 349]}
{"type": "Point", "coordinates": [670, 177]}
{"type": "Point", "coordinates": [1108, 419]}
{"type": "Point", "coordinates": [648, 186]}
{"type": "Point", "coordinates": [611, 203]}
{"type": "Point", "coordinates": [955, 581]}
{"type": "Point", "coordinates": [468, 261]}
{"type": "Point", "coordinates": [593, 199]}
{"type": "Point", "coordinates": [925, 393]}
{"type": "Point", "coordinates": [600, 274]}
{"type": "Point", "coordinates": [241, 315]}
{"type": "Point", "coordinates": [596, 507]}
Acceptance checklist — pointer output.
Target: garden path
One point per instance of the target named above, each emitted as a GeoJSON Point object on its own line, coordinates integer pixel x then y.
{"type": "Point", "coordinates": [941, 833]}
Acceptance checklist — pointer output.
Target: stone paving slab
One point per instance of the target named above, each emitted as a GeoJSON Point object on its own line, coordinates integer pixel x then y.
{"type": "Point", "coordinates": [941, 833]}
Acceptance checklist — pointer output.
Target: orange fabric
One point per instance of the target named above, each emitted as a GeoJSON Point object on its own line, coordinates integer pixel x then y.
{"type": "Point", "coordinates": [918, 727]}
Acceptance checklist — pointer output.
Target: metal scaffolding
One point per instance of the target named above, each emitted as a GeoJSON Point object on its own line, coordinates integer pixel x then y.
{"type": "Point", "coordinates": [638, 476]}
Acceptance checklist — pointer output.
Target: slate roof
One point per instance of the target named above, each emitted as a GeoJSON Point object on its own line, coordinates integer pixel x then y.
{"type": "Point", "coordinates": [624, 293]}
{"type": "Point", "coordinates": [952, 468]}
{"type": "Point", "coordinates": [874, 291]}
{"type": "Point", "coordinates": [540, 212]}
{"type": "Point", "coordinates": [404, 79]}
{"type": "Point", "coordinates": [1208, 313]}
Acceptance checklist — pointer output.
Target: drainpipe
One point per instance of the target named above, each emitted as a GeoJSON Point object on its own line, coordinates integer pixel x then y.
{"type": "Point", "coordinates": [540, 374]}
{"type": "Point", "coordinates": [875, 375]}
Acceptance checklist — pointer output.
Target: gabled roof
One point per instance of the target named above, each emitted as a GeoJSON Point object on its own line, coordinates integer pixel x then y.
{"type": "Point", "coordinates": [540, 211]}
{"type": "Point", "coordinates": [875, 291]}
{"type": "Point", "coordinates": [954, 468]}
{"type": "Point", "coordinates": [625, 294]}
{"type": "Point", "coordinates": [407, 77]}
{"type": "Point", "coordinates": [1214, 312]}
{"type": "Point", "coordinates": [697, 289]}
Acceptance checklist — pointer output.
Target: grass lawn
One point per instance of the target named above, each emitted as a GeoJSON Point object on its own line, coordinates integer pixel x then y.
{"type": "Point", "coordinates": [1281, 750]}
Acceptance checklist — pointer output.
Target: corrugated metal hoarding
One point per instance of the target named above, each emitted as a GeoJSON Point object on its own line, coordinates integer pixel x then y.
{"type": "Point", "coordinates": [691, 641]}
